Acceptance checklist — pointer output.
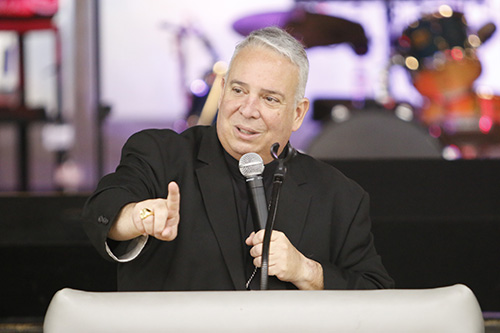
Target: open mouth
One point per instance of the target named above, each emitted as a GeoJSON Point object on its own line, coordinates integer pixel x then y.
{"type": "Point", "coordinates": [246, 131]}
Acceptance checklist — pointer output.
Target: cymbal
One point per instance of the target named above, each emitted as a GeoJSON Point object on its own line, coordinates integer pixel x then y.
{"type": "Point", "coordinates": [309, 28]}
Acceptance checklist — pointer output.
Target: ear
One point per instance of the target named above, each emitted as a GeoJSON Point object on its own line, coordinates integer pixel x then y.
{"type": "Point", "coordinates": [222, 85]}
{"type": "Point", "coordinates": [300, 113]}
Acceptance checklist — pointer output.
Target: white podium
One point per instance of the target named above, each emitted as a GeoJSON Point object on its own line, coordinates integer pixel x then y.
{"type": "Point", "coordinates": [447, 309]}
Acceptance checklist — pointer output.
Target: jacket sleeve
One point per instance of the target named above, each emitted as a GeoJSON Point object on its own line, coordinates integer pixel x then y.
{"type": "Point", "coordinates": [138, 177]}
{"type": "Point", "coordinates": [357, 265]}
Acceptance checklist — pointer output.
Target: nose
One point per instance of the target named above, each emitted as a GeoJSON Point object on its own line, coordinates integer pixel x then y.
{"type": "Point", "coordinates": [250, 107]}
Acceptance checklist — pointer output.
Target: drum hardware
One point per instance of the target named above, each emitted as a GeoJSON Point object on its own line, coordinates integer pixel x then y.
{"type": "Point", "coordinates": [209, 110]}
{"type": "Point", "coordinates": [309, 28]}
{"type": "Point", "coordinates": [194, 98]}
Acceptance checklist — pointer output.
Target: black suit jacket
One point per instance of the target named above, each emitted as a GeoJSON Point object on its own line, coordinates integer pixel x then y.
{"type": "Point", "coordinates": [324, 214]}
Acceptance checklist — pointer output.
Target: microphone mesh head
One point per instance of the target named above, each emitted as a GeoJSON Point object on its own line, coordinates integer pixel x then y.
{"type": "Point", "coordinates": [251, 165]}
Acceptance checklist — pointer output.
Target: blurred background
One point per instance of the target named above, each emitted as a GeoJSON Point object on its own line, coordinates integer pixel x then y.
{"type": "Point", "coordinates": [389, 79]}
{"type": "Point", "coordinates": [404, 100]}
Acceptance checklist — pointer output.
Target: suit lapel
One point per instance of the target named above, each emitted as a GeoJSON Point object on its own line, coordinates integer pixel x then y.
{"type": "Point", "coordinates": [217, 191]}
{"type": "Point", "coordinates": [294, 203]}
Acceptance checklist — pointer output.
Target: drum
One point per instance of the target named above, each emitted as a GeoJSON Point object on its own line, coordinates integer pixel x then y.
{"type": "Point", "coordinates": [374, 133]}
{"type": "Point", "coordinates": [443, 65]}
{"type": "Point", "coordinates": [440, 54]}
{"type": "Point", "coordinates": [448, 90]}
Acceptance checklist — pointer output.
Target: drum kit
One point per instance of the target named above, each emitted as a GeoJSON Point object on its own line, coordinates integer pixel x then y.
{"type": "Point", "coordinates": [439, 53]}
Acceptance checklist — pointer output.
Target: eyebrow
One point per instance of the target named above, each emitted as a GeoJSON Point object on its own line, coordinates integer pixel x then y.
{"type": "Point", "coordinates": [268, 91]}
{"type": "Point", "coordinates": [238, 83]}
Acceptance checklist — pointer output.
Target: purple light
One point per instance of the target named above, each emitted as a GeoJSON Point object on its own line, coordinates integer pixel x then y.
{"type": "Point", "coordinates": [199, 88]}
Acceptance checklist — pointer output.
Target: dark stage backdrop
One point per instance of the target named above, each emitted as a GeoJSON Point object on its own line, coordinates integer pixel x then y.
{"type": "Point", "coordinates": [435, 223]}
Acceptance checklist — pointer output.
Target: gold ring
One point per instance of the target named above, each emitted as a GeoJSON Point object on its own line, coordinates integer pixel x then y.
{"type": "Point", "coordinates": [145, 212]}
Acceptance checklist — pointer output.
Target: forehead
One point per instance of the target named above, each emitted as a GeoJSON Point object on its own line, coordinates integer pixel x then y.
{"type": "Point", "coordinates": [259, 63]}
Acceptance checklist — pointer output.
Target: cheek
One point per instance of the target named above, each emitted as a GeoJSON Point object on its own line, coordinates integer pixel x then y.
{"type": "Point", "coordinates": [272, 121]}
{"type": "Point", "coordinates": [278, 127]}
{"type": "Point", "coordinates": [279, 120]}
{"type": "Point", "coordinates": [226, 109]}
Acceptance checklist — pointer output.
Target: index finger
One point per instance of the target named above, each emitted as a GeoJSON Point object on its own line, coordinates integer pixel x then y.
{"type": "Point", "coordinates": [258, 237]}
{"type": "Point", "coordinates": [174, 197]}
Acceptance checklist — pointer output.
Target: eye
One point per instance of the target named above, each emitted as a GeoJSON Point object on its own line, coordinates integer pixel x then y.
{"type": "Point", "coordinates": [237, 90]}
{"type": "Point", "coordinates": [271, 99]}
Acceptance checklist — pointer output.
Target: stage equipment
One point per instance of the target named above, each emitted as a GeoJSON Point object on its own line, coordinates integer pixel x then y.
{"type": "Point", "coordinates": [251, 167]}
{"type": "Point", "coordinates": [309, 28]}
{"type": "Point", "coordinates": [28, 8]}
{"type": "Point", "coordinates": [371, 132]}
{"type": "Point", "coordinates": [439, 52]}
{"type": "Point", "coordinates": [195, 99]}
{"type": "Point", "coordinates": [278, 178]}
{"type": "Point", "coordinates": [209, 110]}
{"type": "Point", "coordinates": [22, 17]}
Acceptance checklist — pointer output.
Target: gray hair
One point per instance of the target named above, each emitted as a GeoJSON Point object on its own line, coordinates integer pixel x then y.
{"type": "Point", "coordinates": [283, 43]}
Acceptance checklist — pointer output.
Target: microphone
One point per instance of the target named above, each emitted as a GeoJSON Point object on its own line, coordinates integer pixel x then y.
{"type": "Point", "coordinates": [251, 166]}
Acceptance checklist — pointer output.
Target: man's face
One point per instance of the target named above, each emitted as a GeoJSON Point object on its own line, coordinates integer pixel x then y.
{"type": "Point", "coordinates": [257, 105]}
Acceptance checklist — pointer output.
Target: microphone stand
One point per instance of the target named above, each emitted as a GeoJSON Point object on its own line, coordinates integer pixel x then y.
{"type": "Point", "coordinates": [279, 176]}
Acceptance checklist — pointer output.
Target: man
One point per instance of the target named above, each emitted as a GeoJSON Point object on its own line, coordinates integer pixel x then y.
{"type": "Point", "coordinates": [175, 212]}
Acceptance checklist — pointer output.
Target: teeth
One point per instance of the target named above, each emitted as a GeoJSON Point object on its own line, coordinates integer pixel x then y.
{"type": "Point", "coordinates": [245, 131]}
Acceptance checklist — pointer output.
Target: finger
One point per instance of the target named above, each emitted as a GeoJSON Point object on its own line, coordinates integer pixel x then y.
{"type": "Point", "coordinates": [169, 233]}
{"type": "Point", "coordinates": [257, 262]}
{"type": "Point", "coordinates": [249, 240]}
{"type": "Point", "coordinates": [174, 197]}
{"type": "Point", "coordinates": [170, 228]}
{"type": "Point", "coordinates": [145, 224]}
{"type": "Point", "coordinates": [276, 235]}
{"type": "Point", "coordinates": [258, 237]}
{"type": "Point", "coordinates": [148, 224]}
{"type": "Point", "coordinates": [258, 243]}
{"type": "Point", "coordinates": [136, 219]}
{"type": "Point", "coordinates": [173, 206]}
{"type": "Point", "coordinates": [160, 216]}
{"type": "Point", "coordinates": [132, 211]}
{"type": "Point", "coordinates": [256, 251]}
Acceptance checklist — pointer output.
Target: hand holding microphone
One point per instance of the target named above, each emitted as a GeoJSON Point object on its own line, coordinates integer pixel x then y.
{"type": "Point", "coordinates": [285, 262]}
